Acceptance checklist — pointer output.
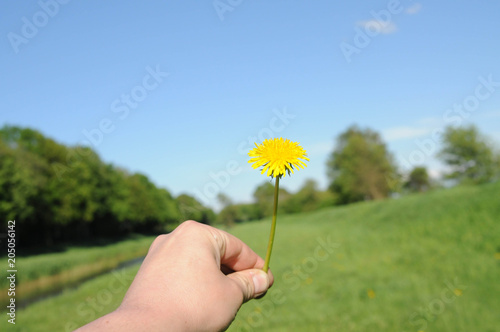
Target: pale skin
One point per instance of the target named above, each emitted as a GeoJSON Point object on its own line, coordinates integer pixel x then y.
{"type": "Point", "coordinates": [193, 279]}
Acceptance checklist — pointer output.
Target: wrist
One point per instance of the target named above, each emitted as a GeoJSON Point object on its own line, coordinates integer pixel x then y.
{"type": "Point", "coordinates": [133, 319]}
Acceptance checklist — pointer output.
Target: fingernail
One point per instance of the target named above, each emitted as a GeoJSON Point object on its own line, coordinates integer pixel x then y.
{"type": "Point", "coordinates": [260, 282]}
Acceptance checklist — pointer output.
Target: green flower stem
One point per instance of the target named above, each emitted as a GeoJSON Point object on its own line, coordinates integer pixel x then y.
{"type": "Point", "coordinates": [273, 225]}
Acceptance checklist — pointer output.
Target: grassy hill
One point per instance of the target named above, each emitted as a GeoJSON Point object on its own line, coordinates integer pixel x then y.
{"type": "Point", "coordinates": [421, 263]}
{"type": "Point", "coordinates": [426, 262]}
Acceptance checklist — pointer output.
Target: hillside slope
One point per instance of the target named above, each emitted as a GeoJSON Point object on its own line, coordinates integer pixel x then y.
{"type": "Point", "coordinates": [426, 262]}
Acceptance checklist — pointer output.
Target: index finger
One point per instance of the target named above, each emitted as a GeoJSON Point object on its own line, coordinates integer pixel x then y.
{"type": "Point", "coordinates": [234, 253]}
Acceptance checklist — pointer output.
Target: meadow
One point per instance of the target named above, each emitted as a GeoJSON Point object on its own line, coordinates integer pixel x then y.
{"type": "Point", "coordinates": [49, 272]}
{"type": "Point", "coordinates": [424, 262]}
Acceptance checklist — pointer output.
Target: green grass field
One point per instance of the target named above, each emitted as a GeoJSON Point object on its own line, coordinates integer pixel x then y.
{"type": "Point", "coordinates": [427, 262]}
{"type": "Point", "coordinates": [40, 274]}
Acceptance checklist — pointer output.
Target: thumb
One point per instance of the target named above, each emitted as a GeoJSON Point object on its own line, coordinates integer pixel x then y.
{"type": "Point", "coordinates": [253, 283]}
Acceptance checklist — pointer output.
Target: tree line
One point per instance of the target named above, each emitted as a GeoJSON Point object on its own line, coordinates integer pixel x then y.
{"type": "Point", "coordinates": [307, 198]}
{"type": "Point", "coordinates": [60, 194]}
{"type": "Point", "coordinates": [362, 168]}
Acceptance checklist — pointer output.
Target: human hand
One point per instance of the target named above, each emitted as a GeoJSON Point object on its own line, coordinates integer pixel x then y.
{"type": "Point", "coordinates": [193, 279]}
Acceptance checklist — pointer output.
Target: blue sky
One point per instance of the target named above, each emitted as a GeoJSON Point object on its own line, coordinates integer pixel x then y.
{"type": "Point", "coordinates": [179, 90]}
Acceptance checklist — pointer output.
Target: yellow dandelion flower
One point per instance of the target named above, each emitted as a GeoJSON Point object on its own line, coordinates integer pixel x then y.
{"type": "Point", "coordinates": [497, 255]}
{"type": "Point", "coordinates": [371, 293]}
{"type": "Point", "coordinates": [458, 292]}
{"type": "Point", "coordinates": [278, 156]}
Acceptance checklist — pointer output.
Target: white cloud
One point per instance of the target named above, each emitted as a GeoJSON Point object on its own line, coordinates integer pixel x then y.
{"type": "Point", "coordinates": [378, 26]}
{"type": "Point", "coordinates": [414, 9]}
{"type": "Point", "coordinates": [399, 133]}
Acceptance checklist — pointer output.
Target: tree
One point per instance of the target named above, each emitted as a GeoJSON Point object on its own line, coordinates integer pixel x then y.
{"type": "Point", "coordinates": [229, 214]}
{"type": "Point", "coordinates": [264, 198]}
{"type": "Point", "coordinates": [192, 209]}
{"type": "Point", "coordinates": [306, 199]}
{"type": "Point", "coordinates": [418, 180]}
{"type": "Point", "coordinates": [23, 183]}
{"type": "Point", "coordinates": [235, 213]}
{"type": "Point", "coordinates": [224, 200]}
{"type": "Point", "coordinates": [468, 155]}
{"type": "Point", "coordinates": [361, 167]}
{"type": "Point", "coordinates": [60, 193]}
